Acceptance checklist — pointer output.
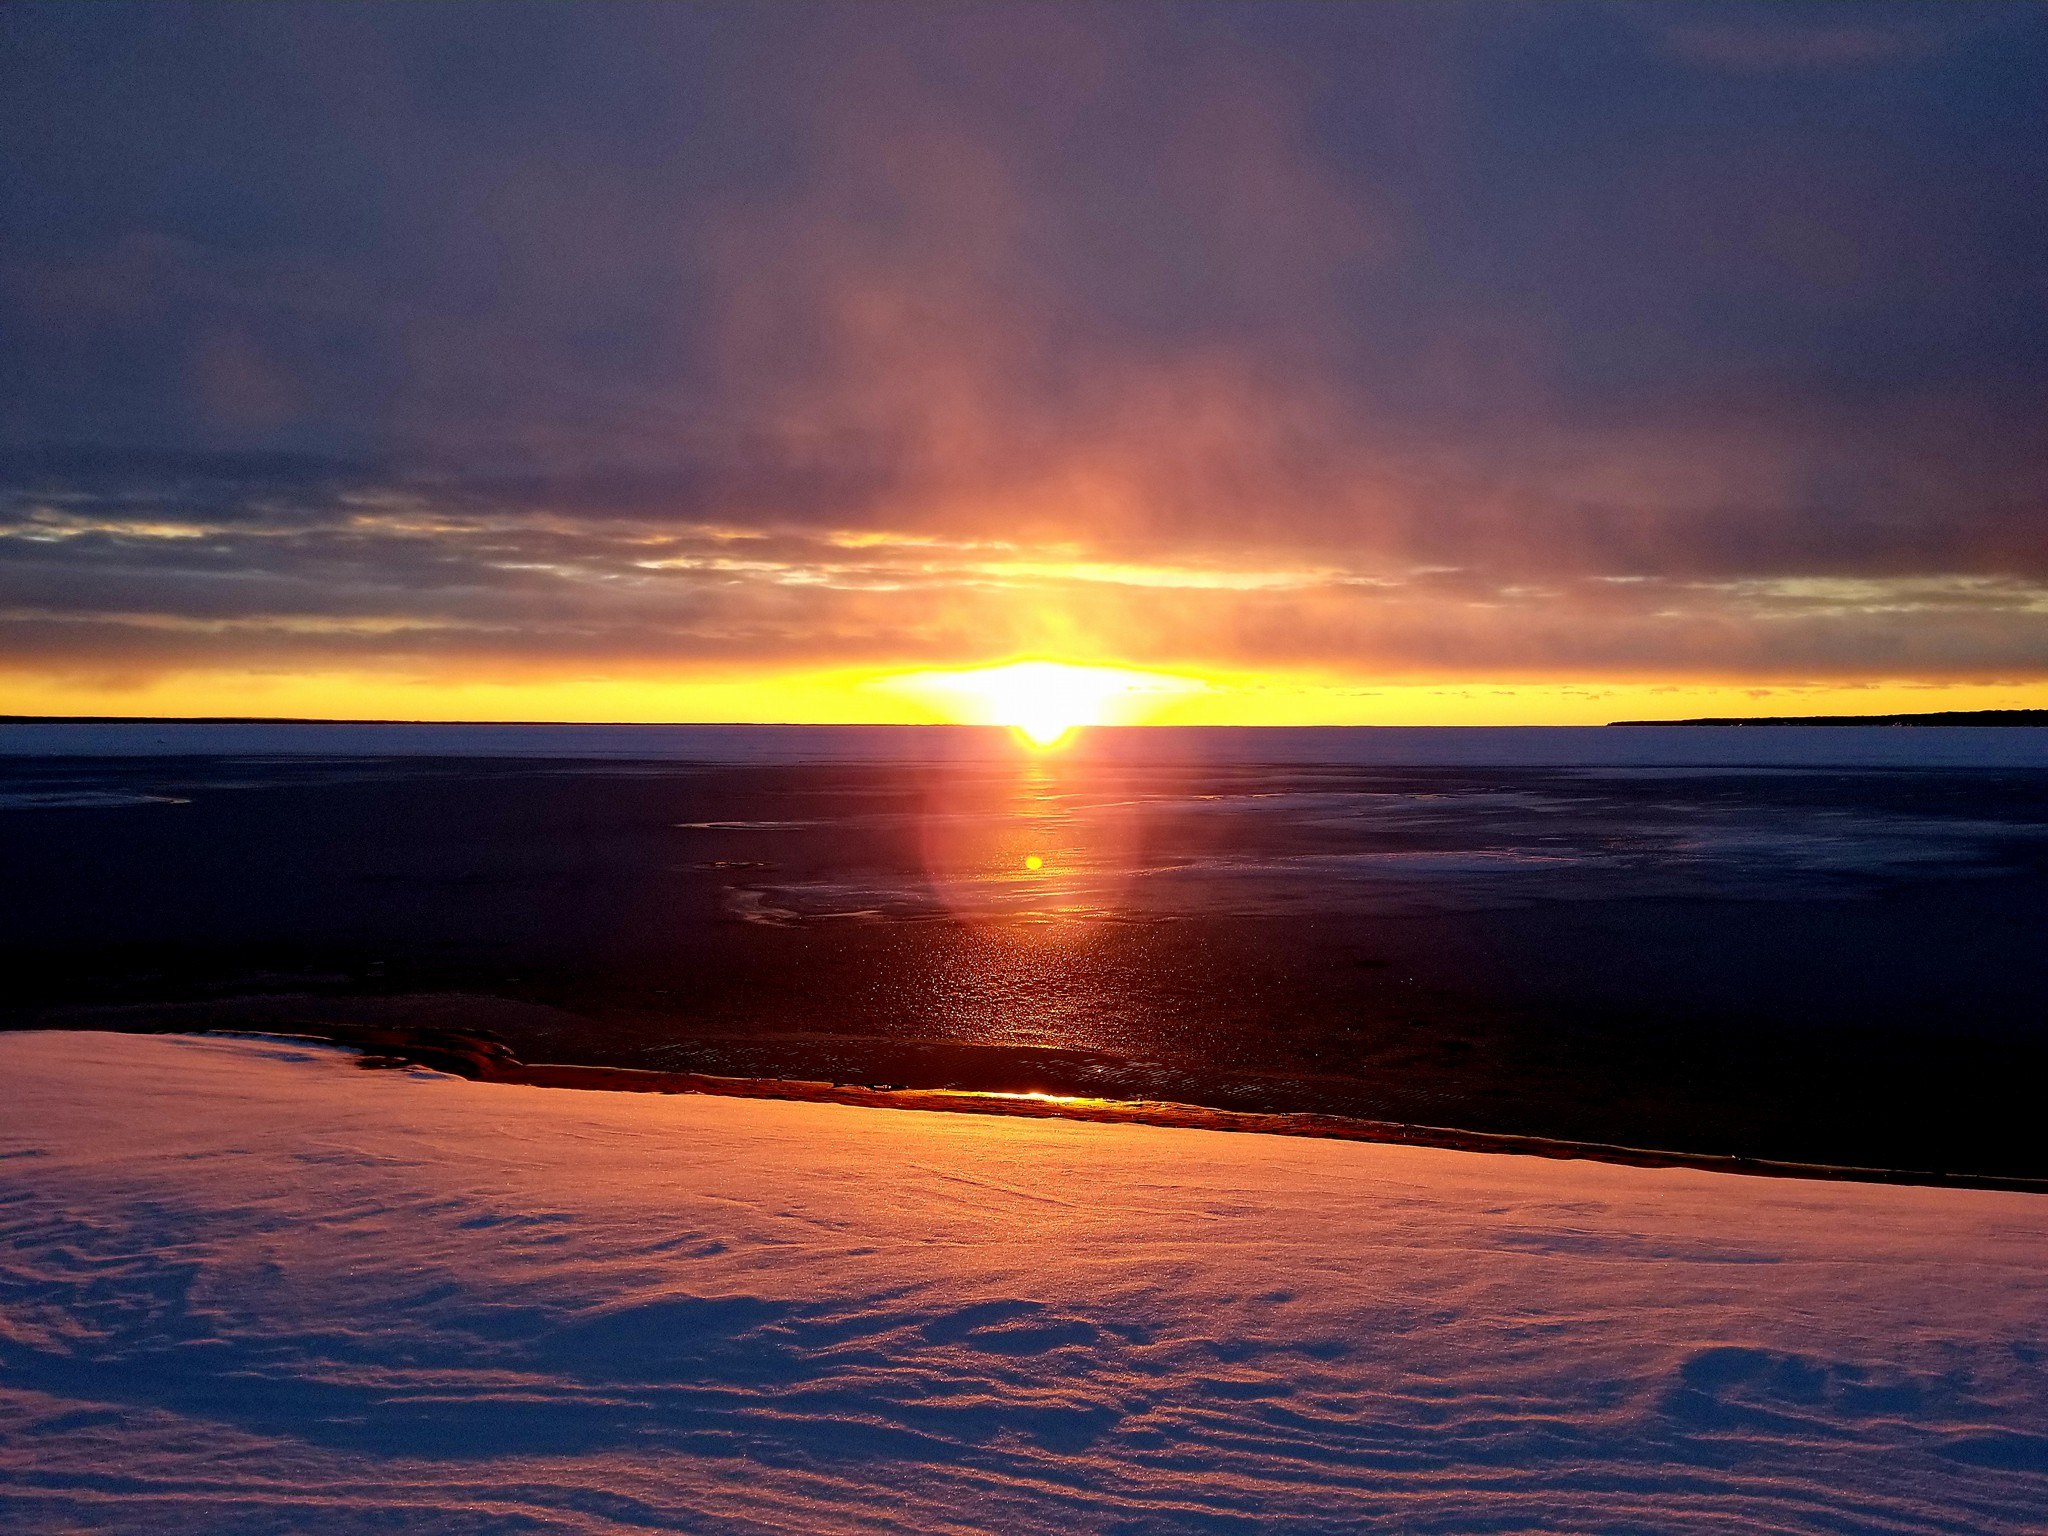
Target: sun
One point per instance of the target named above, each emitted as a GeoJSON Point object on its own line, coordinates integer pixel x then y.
{"type": "Point", "coordinates": [1044, 702]}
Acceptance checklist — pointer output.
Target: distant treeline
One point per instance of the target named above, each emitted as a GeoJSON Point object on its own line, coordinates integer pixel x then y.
{"type": "Point", "coordinates": [1941, 717]}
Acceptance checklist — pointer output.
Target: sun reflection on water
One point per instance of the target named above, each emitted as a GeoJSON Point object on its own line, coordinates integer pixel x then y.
{"type": "Point", "coordinates": [1032, 858]}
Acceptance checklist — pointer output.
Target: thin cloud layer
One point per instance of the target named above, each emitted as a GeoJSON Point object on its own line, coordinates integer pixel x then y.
{"type": "Point", "coordinates": [1566, 341]}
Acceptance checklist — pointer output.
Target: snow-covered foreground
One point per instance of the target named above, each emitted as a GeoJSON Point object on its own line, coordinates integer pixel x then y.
{"type": "Point", "coordinates": [247, 1286]}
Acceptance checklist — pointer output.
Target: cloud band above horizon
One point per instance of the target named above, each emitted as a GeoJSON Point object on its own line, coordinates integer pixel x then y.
{"type": "Point", "coordinates": [1699, 349]}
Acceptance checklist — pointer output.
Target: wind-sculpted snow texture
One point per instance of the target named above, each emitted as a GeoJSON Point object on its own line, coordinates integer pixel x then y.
{"type": "Point", "coordinates": [245, 1286]}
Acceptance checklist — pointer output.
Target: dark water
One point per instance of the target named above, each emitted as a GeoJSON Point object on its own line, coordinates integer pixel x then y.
{"type": "Point", "coordinates": [1828, 944]}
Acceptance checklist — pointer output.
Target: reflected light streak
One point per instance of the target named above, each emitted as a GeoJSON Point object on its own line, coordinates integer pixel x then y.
{"type": "Point", "coordinates": [1030, 857]}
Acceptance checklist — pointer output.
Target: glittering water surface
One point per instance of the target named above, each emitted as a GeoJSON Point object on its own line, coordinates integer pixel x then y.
{"type": "Point", "coordinates": [1812, 938]}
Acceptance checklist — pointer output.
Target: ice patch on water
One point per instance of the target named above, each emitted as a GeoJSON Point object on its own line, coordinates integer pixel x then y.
{"type": "Point", "coordinates": [1439, 853]}
{"type": "Point", "coordinates": [745, 826]}
{"type": "Point", "coordinates": [81, 799]}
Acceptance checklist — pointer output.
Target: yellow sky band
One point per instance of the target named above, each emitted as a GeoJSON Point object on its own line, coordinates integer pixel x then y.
{"type": "Point", "coordinates": [1070, 694]}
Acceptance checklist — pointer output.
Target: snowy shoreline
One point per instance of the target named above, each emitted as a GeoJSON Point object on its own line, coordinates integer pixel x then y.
{"type": "Point", "coordinates": [245, 1284]}
{"type": "Point", "coordinates": [481, 1059]}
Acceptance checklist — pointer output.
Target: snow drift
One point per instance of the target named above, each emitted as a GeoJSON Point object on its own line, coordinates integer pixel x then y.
{"type": "Point", "coordinates": [247, 1286]}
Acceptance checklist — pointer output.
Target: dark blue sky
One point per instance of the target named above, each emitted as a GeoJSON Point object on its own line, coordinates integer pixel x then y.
{"type": "Point", "coordinates": [1625, 340]}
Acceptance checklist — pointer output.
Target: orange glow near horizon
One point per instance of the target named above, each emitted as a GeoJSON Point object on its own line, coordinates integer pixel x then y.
{"type": "Point", "coordinates": [1109, 695]}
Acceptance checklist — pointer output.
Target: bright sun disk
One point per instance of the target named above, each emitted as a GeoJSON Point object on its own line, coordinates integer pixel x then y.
{"type": "Point", "coordinates": [1043, 701]}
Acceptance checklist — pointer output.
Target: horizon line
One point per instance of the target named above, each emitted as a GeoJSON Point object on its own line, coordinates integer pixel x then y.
{"type": "Point", "coordinates": [1961, 716]}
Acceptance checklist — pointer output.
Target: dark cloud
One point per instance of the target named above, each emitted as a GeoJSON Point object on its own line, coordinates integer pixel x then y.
{"type": "Point", "coordinates": [1613, 338]}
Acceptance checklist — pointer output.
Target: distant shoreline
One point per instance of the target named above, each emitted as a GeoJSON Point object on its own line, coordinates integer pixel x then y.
{"type": "Point", "coordinates": [381, 720]}
{"type": "Point", "coordinates": [2007, 717]}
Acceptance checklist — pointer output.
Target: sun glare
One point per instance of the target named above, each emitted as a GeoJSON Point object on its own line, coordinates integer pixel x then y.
{"type": "Point", "coordinates": [1044, 702]}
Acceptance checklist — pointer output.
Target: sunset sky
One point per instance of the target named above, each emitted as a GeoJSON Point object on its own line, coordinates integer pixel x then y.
{"type": "Point", "coordinates": [1370, 363]}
